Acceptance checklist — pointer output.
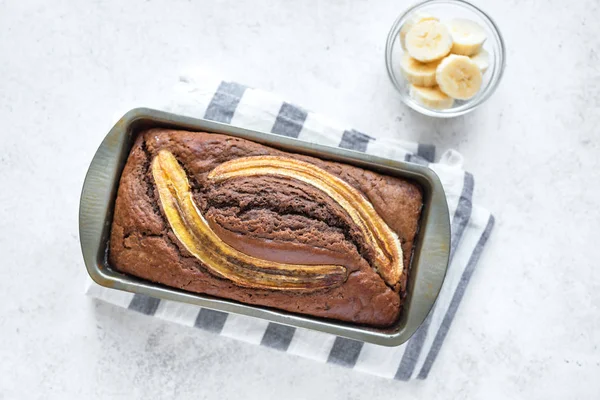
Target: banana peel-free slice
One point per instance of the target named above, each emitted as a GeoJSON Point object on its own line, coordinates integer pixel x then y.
{"type": "Point", "coordinates": [467, 36]}
{"type": "Point", "coordinates": [459, 77]}
{"type": "Point", "coordinates": [428, 40]}
{"type": "Point", "coordinates": [194, 232]}
{"type": "Point", "coordinates": [431, 97]}
{"type": "Point", "coordinates": [418, 73]}
{"type": "Point", "coordinates": [388, 251]}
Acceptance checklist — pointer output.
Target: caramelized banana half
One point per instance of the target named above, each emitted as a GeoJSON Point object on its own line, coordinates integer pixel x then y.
{"type": "Point", "coordinates": [388, 251]}
{"type": "Point", "coordinates": [195, 234]}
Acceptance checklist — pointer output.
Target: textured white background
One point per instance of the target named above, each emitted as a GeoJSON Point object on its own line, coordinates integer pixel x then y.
{"type": "Point", "coordinates": [529, 326]}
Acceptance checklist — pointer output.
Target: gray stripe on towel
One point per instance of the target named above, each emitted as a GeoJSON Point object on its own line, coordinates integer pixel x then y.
{"type": "Point", "coordinates": [462, 213]}
{"type": "Point", "coordinates": [426, 151]}
{"type": "Point", "coordinates": [278, 336]}
{"type": "Point", "coordinates": [224, 102]}
{"type": "Point", "coordinates": [412, 158]}
{"type": "Point", "coordinates": [355, 140]}
{"type": "Point", "coordinates": [456, 299]}
{"type": "Point", "coordinates": [345, 352]}
{"type": "Point", "coordinates": [289, 121]}
{"type": "Point", "coordinates": [459, 224]}
{"type": "Point", "coordinates": [211, 320]}
{"type": "Point", "coordinates": [144, 304]}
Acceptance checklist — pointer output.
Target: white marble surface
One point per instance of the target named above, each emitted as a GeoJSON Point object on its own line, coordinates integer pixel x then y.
{"type": "Point", "coordinates": [529, 326]}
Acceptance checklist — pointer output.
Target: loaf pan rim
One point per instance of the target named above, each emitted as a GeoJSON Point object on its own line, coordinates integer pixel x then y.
{"type": "Point", "coordinates": [428, 265]}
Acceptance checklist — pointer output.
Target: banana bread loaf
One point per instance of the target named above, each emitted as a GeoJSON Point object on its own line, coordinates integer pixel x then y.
{"type": "Point", "coordinates": [214, 214]}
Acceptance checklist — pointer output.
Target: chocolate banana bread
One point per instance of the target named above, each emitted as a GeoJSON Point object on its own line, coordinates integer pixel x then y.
{"type": "Point", "coordinates": [214, 214]}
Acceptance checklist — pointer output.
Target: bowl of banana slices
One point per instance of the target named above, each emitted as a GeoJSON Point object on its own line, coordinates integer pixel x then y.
{"type": "Point", "coordinates": [445, 57]}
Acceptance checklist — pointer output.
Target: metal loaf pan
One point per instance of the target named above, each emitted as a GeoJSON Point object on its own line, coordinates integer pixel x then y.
{"type": "Point", "coordinates": [429, 261]}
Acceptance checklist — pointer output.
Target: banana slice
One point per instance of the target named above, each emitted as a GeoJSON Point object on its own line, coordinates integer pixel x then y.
{"type": "Point", "coordinates": [431, 97]}
{"type": "Point", "coordinates": [428, 41]}
{"type": "Point", "coordinates": [418, 73]}
{"type": "Point", "coordinates": [459, 77]}
{"type": "Point", "coordinates": [482, 59]}
{"type": "Point", "coordinates": [414, 19]}
{"type": "Point", "coordinates": [468, 36]}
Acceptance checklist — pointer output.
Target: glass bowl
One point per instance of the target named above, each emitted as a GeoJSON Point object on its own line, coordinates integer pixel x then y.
{"type": "Point", "coordinates": [445, 10]}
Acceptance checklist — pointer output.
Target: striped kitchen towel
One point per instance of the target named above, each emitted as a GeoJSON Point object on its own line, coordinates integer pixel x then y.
{"type": "Point", "coordinates": [198, 95]}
